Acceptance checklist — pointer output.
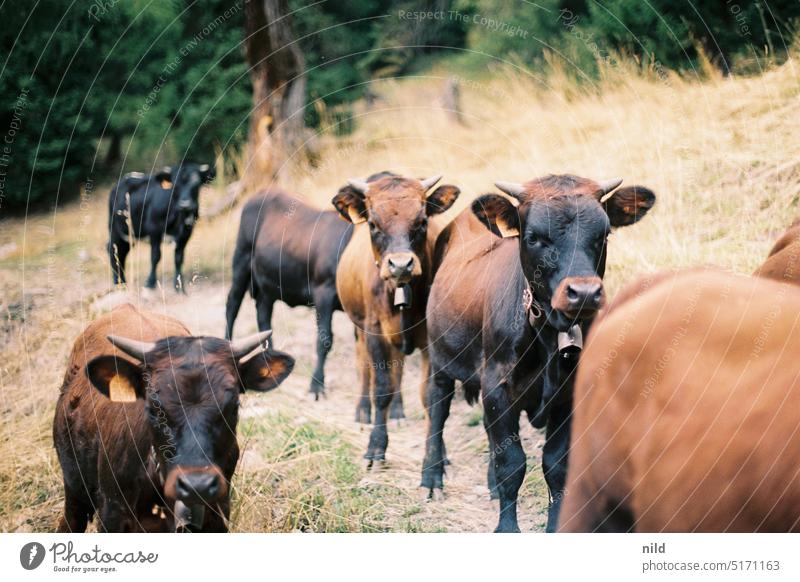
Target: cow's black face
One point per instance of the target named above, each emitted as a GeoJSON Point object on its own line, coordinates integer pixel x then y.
{"type": "Point", "coordinates": [186, 182]}
{"type": "Point", "coordinates": [562, 224]}
{"type": "Point", "coordinates": [562, 248]}
{"type": "Point", "coordinates": [190, 387]}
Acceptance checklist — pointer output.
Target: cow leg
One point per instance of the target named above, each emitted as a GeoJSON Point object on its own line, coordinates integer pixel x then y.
{"type": "Point", "coordinates": [505, 453]}
{"type": "Point", "coordinates": [155, 257]}
{"type": "Point", "coordinates": [180, 246]}
{"type": "Point", "coordinates": [324, 298]}
{"type": "Point", "coordinates": [264, 304]}
{"type": "Point", "coordinates": [364, 407]}
{"type": "Point", "coordinates": [491, 479]}
{"type": "Point", "coordinates": [240, 281]}
{"type": "Point", "coordinates": [396, 410]}
{"type": "Point", "coordinates": [111, 516]}
{"type": "Point", "coordinates": [554, 458]}
{"type": "Point", "coordinates": [77, 512]}
{"type": "Point", "coordinates": [380, 355]}
{"type": "Point", "coordinates": [117, 254]}
{"type": "Point", "coordinates": [440, 396]}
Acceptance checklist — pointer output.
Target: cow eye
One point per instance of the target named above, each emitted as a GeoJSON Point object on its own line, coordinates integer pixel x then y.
{"type": "Point", "coordinates": [537, 240]}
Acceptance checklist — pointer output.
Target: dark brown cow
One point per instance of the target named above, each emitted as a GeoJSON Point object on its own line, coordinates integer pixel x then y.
{"type": "Point", "coordinates": [783, 261]}
{"type": "Point", "coordinates": [287, 251]}
{"type": "Point", "coordinates": [146, 422]}
{"type": "Point", "coordinates": [685, 417]}
{"type": "Point", "coordinates": [505, 316]}
{"type": "Point", "coordinates": [383, 279]}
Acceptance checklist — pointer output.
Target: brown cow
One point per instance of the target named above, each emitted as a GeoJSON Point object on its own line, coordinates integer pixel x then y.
{"type": "Point", "coordinates": [684, 414]}
{"type": "Point", "coordinates": [288, 251]}
{"type": "Point", "coordinates": [516, 288]}
{"type": "Point", "coordinates": [382, 281]}
{"type": "Point", "coordinates": [146, 422]}
{"type": "Point", "coordinates": [783, 261]}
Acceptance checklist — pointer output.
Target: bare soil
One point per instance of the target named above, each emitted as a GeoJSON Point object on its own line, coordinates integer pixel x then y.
{"type": "Point", "coordinates": [466, 506]}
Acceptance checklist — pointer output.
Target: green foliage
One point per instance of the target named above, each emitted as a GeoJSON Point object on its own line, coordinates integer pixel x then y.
{"type": "Point", "coordinates": [671, 33]}
{"type": "Point", "coordinates": [170, 76]}
{"type": "Point", "coordinates": [87, 86]}
{"type": "Point", "coordinates": [346, 44]}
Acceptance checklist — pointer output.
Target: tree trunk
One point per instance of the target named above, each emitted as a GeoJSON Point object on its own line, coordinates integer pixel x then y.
{"type": "Point", "coordinates": [114, 153]}
{"type": "Point", "coordinates": [277, 71]}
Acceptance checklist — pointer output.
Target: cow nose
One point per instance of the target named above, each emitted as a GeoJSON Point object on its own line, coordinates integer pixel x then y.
{"type": "Point", "coordinates": [185, 204]}
{"type": "Point", "coordinates": [400, 265]}
{"type": "Point", "coordinates": [585, 295]}
{"type": "Point", "coordinates": [194, 487]}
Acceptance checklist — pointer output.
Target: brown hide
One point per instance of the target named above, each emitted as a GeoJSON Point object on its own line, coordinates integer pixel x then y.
{"type": "Point", "coordinates": [686, 415]}
{"type": "Point", "coordinates": [108, 442]}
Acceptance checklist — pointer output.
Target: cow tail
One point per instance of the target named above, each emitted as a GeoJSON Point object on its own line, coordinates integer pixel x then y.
{"type": "Point", "coordinates": [119, 213]}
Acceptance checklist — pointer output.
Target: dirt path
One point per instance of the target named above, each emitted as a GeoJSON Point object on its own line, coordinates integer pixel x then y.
{"type": "Point", "coordinates": [466, 507]}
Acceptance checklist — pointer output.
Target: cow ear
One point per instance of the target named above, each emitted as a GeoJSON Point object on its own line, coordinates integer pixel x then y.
{"type": "Point", "coordinates": [207, 173]}
{"type": "Point", "coordinates": [265, 370]}
{"type": "Point", "coordinates": [498, 214]}
{"type": "Point", "coordinates": [164, 174]}
{"type": "Point", "coordinates": [350, 204]}
{"type": "Point", "coordinates": [441, 199]}
{"type": "Point", "coordinates": [116, 378]}
{"type": "Point", "coordinates": [628, 205]}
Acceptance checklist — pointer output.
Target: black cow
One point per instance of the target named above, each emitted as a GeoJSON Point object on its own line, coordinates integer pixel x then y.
{"type": "Point", "coordinates": [289, 251]}
{"type": "Point", "coordinates": [156, 205]}
{"type": "Point", "coordinates": [506, 315]}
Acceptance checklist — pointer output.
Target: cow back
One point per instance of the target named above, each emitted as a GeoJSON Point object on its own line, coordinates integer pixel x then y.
{"type": "Point", "coordinates": [682, 391]}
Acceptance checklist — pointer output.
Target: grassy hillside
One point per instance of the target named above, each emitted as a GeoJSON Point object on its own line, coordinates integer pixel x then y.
{"type": "Point", "coordinates": [721, 156]}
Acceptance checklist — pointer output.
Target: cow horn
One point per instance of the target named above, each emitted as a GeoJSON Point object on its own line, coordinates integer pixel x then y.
{"type": "Point", "coordinates": [610, 185]}
{"type": "Point", "coordinates": [244, 346]}
{"type": "Point", "coordinates": [429, 183]}
{"type": "Point", "coordinates": [134, 348]}
{"type": "Point", "coordinates": [360, 186]}
{"type": "Point", "coordinates": [514, 189]}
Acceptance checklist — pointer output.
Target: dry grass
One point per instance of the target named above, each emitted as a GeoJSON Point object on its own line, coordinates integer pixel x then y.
{"type": "Point", "coordinates": [719, 154]}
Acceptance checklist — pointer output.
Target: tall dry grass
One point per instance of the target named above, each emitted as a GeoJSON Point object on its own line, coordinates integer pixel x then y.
{"type": "Point", "coordinates": [720, 154]}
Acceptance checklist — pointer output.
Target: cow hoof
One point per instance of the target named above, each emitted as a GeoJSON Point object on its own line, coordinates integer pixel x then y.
{"type": "Point", "coordinates": [363, 416]}
{"type": "Point", "coordinates": [436, 495]}
{"type": "Point", "coordinates": [317, 388]}
{"type": "Point", "coordinates": [494, 494]}
{"type": "Point", "coordinates": [397, 413]}
{"type": "Point", "coordinates": [376, 465]}
{"type": "Point", "coordinates": [375, 456]}
{"type": "Point", "coordinates": [513, 529]}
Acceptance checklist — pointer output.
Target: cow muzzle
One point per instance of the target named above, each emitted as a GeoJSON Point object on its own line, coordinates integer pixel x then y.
{"type": "Point", "coordinates": [402, 267]}
{"type": "Point", "coordinates": [194, 489]}
{"type": "Point", "coordinates": [579, 297]}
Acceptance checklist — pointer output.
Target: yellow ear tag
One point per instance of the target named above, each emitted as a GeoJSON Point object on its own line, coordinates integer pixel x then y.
{"type": "Point", "coordinates": [121, 390]}
{"type": "Point", "coordinates": [505, 230]}
{"type": "Point", "coordinates": [166, 184]}
{"type": "Point", "coordinates": [355, 217]}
